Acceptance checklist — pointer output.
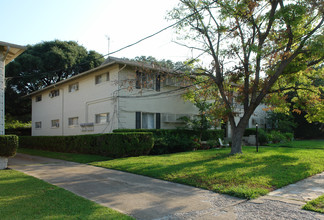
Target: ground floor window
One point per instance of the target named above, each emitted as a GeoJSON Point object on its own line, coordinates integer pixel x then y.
{"type": "Point", "coordinates": [38, 124]}
{"type": "Point", "coordinates": [55, 123]}
{"type": "Point", "coordinates": [73, 121]}
{"type": "Point", "coordinates": [148, 120]}
{"type": "Point", "coordinates": [102, 118]}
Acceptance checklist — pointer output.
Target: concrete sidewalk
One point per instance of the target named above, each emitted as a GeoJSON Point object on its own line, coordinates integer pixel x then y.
{"type": "Point", "coordinates": [148, 198]}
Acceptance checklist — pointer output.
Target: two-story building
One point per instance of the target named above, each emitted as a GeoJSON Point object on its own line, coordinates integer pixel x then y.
{"type": "Point", "coordinates": [118, 94]}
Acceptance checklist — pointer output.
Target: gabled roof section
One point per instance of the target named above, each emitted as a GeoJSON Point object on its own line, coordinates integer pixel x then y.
{"type": "Point", "coordinates": [109, 62]}
{"type": "Point", "coordinates": [11, 51]}
{"type": "Point", "coordinates": [140, 65]}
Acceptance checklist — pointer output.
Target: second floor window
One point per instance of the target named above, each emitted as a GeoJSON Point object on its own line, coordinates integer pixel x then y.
{"type": "Point", "coordinates": [102, 78]}
{"type": "Point", "coordinates": [148, 81]}
{"type": "Point", "coordinates": [74, 87]}
{"type": "Point", "coordinates": [54, 93]}
{"type": "Point", "coordinates": [38, 98]}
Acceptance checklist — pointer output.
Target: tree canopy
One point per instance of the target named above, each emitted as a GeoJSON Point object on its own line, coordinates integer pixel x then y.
{"type": "Point", "coordinates": [257, 51]}
{"type": "Point", "coordinates": [44, 64]}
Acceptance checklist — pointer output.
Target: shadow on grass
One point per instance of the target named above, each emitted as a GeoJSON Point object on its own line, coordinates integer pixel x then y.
{"type": "Point", "coordinates": [25, 197]}
{"type": "Point", "coordinates": [248, 176]}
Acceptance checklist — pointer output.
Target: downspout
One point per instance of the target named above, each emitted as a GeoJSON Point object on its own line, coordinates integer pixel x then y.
{"type": "Point", "coordinates": [63, 111]}
{"type": "Point", "coordinates": [2, 88]}
{"type": "Point", "coordinates": [117, 98]}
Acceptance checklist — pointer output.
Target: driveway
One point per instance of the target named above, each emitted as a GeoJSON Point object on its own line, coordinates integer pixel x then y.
{"type": "Point", "coordinates": [147, 198]}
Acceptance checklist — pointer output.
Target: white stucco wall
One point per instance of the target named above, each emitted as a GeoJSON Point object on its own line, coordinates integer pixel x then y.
{"type": "Point", "coordinates": [84, 103]}
{"type": "Point", "coordinates": [165, 101]}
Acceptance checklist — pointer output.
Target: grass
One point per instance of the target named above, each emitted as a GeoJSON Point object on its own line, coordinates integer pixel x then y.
{"type": "Point", "coordinates": [25, 197]}
{"type": "Point", "coordinates": [79, 158]}
{"type": "Point", "coordinates": [316, 205]}
{"type": "Point", "coordinates": [247, 176]}
{"type": "Point", "coordinates": [309, 144]}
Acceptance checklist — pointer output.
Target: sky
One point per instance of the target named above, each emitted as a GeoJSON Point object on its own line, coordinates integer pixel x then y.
{"type": "Point", "coordinates": [89, 22]}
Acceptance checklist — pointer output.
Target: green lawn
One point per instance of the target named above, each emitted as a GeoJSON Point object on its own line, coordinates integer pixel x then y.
{"type": "Point", "coordinates": [25, 197]}
{"type": "Point", "coordinates": [248, 175]}
{"type": "Point", "coordinates": [79, 158]}
{"type": "Point", "coordinates": [316, 205]}
{"type": "Point", "coordinates": [310, 144]}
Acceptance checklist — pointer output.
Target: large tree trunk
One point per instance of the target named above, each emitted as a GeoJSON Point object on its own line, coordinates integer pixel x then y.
{"type": "Point", "coordinates": [237, 135]}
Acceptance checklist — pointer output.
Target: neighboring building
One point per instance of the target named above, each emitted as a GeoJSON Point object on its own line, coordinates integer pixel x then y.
{"type": "Point", "coordinates": [118, 94]}
{"type": "Point", "coordinates": [258, 117]}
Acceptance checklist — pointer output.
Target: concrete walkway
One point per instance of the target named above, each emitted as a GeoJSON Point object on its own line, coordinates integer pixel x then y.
{"type": "Point", "coordinates": [148, 198]}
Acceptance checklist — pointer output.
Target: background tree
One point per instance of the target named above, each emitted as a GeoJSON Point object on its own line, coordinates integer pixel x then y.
{"type": "Point", "coordinates": [41, 65]}
{"type": "Point", "coordinates": [254, 49]}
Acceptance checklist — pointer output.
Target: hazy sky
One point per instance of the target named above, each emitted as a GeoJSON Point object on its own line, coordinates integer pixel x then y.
{"type": "Point", "coordinates": [89, 21]}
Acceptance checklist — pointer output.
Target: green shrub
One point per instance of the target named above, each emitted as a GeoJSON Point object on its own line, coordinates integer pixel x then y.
{"type": "Point", "coordinates": [276, 137]}
{"type": "Point", "coordinates": [175, 140]}
{"type": "Point", "coordinates": [8, 145]}
{"type": "Point", "coordinates": [111, 145]}
{"type": "Point", "coordinates": [19, 131]}
{"type": "Point", "coordinates": [289, 136]}
{"type": "Point", "coordinates": [262, 135]}
{"type": "Point", "coordinates": [18, 128]}
{"type": "Point", "coordinates": [249, 131]}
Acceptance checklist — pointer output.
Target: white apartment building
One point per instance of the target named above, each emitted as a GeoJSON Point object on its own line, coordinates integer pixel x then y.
{"type": "Point", "coordinates": [118, 94]}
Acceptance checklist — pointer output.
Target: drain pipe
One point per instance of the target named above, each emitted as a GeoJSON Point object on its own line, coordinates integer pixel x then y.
{"type": "Point", "coordinates": [2, 89]}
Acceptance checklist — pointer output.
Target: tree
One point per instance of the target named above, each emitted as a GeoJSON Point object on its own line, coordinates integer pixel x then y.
{"type": "Point", "coordinates": [254, 49]}
{"type": "Point", "coordinates": [41, 65]}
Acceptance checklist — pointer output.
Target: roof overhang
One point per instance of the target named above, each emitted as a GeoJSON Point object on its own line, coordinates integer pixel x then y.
{"type": "Point", "coordinates": [10, 51]}
{"type": "Point", "coordinates": [109, 62]}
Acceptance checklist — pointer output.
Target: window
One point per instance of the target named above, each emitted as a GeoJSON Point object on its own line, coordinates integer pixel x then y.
{"type": "Point", "coordinates": [102, 78]}
{"type": "Point", "coordinates": [55, 123]}
{"type": "Point", "coordinates": [38, 98]}
{"type": "Point", "coordinates": [54, 93]}
{"type": "Point", "coordinates": [74, 87]}
{"type": "Point", "coordinates": [147, 81]}
{"type": "Point", "coordinates": [73, 121]}
{"type": "Point", "coordinates": [148, 120]}
{"type": "Point", "coordinates": [38, 124]}
{"type": "Point", "coordinates": [102, 118]}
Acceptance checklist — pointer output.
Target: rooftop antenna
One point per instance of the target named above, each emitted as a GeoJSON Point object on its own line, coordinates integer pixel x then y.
{"type": "Point", "coordinates": [108, 39]}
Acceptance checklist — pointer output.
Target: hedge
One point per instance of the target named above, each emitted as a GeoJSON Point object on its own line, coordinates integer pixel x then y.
{"type": "Point", "coordinates": [8, 145]}
{"type": "Point", "coordinates": [19, 131]}
{"type": "Point", "coordinates": [111, 145]}
{"type": "Point", "coordinates": [175, 140]}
